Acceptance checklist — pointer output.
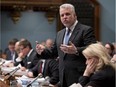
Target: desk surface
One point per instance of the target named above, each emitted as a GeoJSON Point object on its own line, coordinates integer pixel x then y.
{"type": "Point", "coordinates": [9, 69]}
{"type": "Point", "coordinates": [2, 84]}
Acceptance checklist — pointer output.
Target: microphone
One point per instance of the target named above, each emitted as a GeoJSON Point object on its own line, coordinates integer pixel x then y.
{"type": "Point", "coordinates": [1, 67]}
{"type": "Point", "coordinates": [39, 76]}
{"type": "Point", "coordinates": [12, 72]}
{"type": "Point", "coordinates": [2, 63]}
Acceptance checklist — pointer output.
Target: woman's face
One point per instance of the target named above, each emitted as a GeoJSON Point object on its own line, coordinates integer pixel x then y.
{"type": "Point", "coordinates": [92, 59]}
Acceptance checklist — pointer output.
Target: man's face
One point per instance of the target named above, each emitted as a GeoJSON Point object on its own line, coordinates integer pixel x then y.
{"type": "Point", "coordinates": [49, 43]}
{"type": "Point", "coordinates": [17, 47]}
{"type": "Point", "coordinates": [24, 50]}
{"type": "Point", "coordinates": [67, 17]}
{"type": "Point", "coordinates": [11, 47]}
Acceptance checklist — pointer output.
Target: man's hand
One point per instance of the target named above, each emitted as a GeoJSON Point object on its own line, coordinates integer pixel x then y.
{"type": "Point", "coordinates": [21, 55]}
{"type": "Point", "coordinates": [40, 48]}
{"type": "Point", "coordinates": [70, 49]}
{"type": "Point", "coordinates": [30, 74]}
{"type": "Point", "coordinates": [23, 68]}
{"type": "Point", "coordinates": [90, 68]}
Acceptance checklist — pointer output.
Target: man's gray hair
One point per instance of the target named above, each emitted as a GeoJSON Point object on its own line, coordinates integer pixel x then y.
{"type": "Point", "coordinates": [67, 5]}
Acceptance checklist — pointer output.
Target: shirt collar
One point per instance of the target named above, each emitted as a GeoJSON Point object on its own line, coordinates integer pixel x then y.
{"type": "Point", "coordinates": [73, 26]}
{"type": "Point", "coordinates": [29, 52]}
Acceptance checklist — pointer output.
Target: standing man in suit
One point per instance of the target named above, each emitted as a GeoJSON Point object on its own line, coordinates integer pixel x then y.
{"type": "Point", "coordinates": [69, 50]}
{"type": "Point", "coordinates": [27, 56]}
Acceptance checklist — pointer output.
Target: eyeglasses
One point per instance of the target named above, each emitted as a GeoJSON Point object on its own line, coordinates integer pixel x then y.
{"type": "Point", "coordinates": [22, 48]}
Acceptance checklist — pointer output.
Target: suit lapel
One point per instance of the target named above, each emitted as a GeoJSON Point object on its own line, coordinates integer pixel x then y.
{"type": "Point", "coordinates": [61, 36]}
{"type": "Point", "coordinates": [74, 33]}
{"type": "Point", "coordinates": [60, 40]}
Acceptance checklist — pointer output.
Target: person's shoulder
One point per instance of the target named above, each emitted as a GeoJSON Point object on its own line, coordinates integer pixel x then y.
{"type": "Point", "coordinates": [52, 61]}
{"type": "Point", "coordinates": [84, 26]}
{"type": "Point", "coordinates": [106, 70]}
{"type": "Point", "coordinates": [61, 30]}
{"type": "Point", "coordinates": [33, 51]}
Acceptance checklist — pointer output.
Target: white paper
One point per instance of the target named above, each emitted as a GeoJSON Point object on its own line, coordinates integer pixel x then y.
{"type": "Point", "coordinates": [76, 85]}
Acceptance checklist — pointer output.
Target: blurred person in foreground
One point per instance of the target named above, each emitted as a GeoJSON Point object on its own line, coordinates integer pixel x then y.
{"type": "Point", "coordinates": [110, 49]}
{"type": "Point", "coordinates": [68, 46]}
{"type": "Point", "coordinates": [99, 72]}
{"type": "Point", "coordinates": [49, 43]}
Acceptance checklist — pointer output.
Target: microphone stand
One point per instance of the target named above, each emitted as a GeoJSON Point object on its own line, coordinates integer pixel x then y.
{"type": "Point", "coordinates": [9, 75]}
{"type": "Point", "coordinates": [39, 76]}
{"type": "Point", "coordinates": [2, 63]}
{"type": "Point", "coordinates": [12, 71]}
{"type": "Point", "coordinates": [0, 67]}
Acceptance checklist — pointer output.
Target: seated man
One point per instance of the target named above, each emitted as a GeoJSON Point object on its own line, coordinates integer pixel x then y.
{"type": "Point", "coordinates": [49, 68]}
{"type": "Point", "coordinates": [27, 56]}
{"type": "Point", "coordinates": [10, 51]}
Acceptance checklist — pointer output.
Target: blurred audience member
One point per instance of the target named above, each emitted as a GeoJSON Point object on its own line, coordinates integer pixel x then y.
{"type": "Point", "coordinates": [110, 48]}
{"type": "Point", "coordinates": [113, 59]}
{"type": "Point", "coordinates": [10, 51]}
{"type": "Point", "coordinates": [49, 43]}
{"type": "Point", "coordinates": [17, 47]}
{"type": "Point", "coordinates": [2, 55]}
{"type": "Point", "coordinates": [43, 43]}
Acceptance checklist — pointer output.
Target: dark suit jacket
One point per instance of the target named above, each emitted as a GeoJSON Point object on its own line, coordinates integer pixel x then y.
{"type": "Point", "coordinates": [103, 78]}
{"type": "Point", "coordinates": [50, 69]}
{"type": "Point", "coordinates": [30, 61]}
{"type": "Point", "coordinates": [71, 65]}
{"type": "Point", "coordinates": [8, 54]}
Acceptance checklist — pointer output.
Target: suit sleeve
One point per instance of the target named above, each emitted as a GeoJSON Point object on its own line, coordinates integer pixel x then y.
{"type": "Point", "coordinates": [35, 70]}
{"type": "Point", "coordinates": [55, 72]}
{"type": "Point", "coordinates": [88, 38]}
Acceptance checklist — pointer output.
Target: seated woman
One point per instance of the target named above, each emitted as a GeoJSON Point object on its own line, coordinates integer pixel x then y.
{"type": "Point", "coordinates": [99, 72]}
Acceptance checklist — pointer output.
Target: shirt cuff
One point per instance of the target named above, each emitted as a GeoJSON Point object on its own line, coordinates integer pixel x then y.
{"type": "Point", "coordinates": [19, 59]}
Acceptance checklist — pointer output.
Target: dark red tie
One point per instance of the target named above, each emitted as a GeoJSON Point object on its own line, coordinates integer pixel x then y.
{"type": "Point", "coordinates": [40, 67]}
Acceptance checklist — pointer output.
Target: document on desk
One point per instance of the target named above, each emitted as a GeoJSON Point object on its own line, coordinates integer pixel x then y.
{"type": "Point", "coordinates": [24, 81]}
{"type": "Point", "coordinates": [9, 69]}
{"type": "Point", "coordinates": [76, 85]}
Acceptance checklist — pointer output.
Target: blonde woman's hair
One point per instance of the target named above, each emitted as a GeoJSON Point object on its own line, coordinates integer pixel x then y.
{"type": "Point", "coordinates": [99, 51]}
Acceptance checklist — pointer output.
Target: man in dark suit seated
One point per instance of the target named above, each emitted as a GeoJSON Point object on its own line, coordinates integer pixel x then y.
{"type": "Point", "coordinates": [49, 68]}
{"type": "Point", "coordinates": [10, 51]}
{"type": "Point", "coordinates": [27, 56]}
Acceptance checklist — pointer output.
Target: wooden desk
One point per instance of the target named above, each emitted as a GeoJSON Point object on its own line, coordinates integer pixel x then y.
{"type": "Point", "coordinates": [3, 84]}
